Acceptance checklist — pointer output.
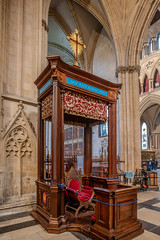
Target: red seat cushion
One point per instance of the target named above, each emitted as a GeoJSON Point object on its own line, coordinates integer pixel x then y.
{"type": "Point", "coordinates": [86, 191]}
{"type": "Point", "coordinates": [85, 194]}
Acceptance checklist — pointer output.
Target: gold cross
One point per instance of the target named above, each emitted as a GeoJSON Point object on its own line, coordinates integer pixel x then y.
{"type": "Point", "coordinates": [76, 45]}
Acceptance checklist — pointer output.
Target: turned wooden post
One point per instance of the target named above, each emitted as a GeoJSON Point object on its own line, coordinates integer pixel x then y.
{"type": "Point", "coordinates": [87, 150]}
{"type": "Point", "coordinates": [112, 181]}
{"type": "Point", "coordinates": [57, 134]}
{"type": "Point", "coordinates": [40, 143]}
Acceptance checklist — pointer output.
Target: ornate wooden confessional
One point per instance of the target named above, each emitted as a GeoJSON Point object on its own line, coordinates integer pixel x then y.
{"type": "Point", "coordinates": [67, 93]}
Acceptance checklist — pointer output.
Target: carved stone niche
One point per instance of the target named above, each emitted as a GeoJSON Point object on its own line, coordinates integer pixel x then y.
{"type": "Point", "coordinates": [19, 159]}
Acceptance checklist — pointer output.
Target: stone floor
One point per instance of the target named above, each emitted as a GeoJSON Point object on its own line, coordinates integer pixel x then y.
{"type": "Point", "coordinates": [17, 224]}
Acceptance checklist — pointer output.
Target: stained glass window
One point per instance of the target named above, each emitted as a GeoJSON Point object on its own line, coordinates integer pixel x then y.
{"type": "Point", "coordinates": [156, 80]}
{"type": "Point", "coordinates": [144, 136]}
{"type": "Point", "coordinates": [103, 129]}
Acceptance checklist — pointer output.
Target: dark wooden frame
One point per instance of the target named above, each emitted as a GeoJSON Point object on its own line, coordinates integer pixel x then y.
{"type": "Point", "coordinates": [51, 215]}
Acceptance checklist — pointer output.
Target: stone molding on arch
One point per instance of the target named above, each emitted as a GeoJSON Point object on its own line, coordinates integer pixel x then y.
{"type": "Point", "coordinates": [148, 101]}
{"type": "Point", "coordinates": [90, 8]}
{"type": "Point", "coordinates": [19, 119]}
{"type": "Point", "coordinates": [149, 66]}
{"type": "Point", "coordinates": [155, 66]}
{"type": "Point", "coordinates": [155, 118]}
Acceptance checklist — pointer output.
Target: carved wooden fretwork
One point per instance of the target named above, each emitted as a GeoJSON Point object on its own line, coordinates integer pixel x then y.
{"type": "Point", "coordinates": [112, 94]}
{"type": "Point", "coordinates": [47, 106]}
{"type": "Point", "coordinates": [73, 174]}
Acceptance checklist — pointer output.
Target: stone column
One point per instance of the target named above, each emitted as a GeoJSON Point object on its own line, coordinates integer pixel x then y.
{"type": "Point", "coordinates": [150, 84]}
{"type": "Point", "coordinates": [3, 43]}
{"type": "Point", "coordinates": [44, 33]}
{"type": "Point", "coordinates": [145, 45]}
{"type": "Point", "coordinates": [141, 88]}
{"type": "Point", "coordinates": [130, 117]}
{"type": "Point", "coordinates": [153, 40]}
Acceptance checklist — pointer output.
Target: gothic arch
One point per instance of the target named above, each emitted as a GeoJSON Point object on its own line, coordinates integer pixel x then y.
{"type": "Point", "coordinates": [148, 101]}
{"type": "Point", "coordinates": [19, 157]}
{"type": "Point", "coordinates": [97, 15]}
{"type": "Point", "coordinates": [155, 66]}
{"type": "Point", "coordinates": [129, 47]}
{"type": "Point", "coordinates": [155, 118]}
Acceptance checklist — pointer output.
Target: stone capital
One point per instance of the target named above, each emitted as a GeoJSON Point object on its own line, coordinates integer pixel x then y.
{"type": "Point", "coordinates": [44, 24]}
{"type": "Point", "coordinates": [130, 69]}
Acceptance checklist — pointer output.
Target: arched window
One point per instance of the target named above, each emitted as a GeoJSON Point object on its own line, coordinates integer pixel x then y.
{"type": "Point", "coordinates": [144, 136]}
{"type": "Point", "coordinates": [156, 81]}
{"type": "Point", "coordinates": [145, 84]}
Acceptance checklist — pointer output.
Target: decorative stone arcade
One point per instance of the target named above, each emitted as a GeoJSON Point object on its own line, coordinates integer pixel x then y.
{"type": "Point", "coordinates": [69, 93]}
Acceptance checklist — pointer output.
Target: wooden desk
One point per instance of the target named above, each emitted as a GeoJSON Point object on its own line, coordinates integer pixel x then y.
{"type": "Point", "coordinates": [117, 219]}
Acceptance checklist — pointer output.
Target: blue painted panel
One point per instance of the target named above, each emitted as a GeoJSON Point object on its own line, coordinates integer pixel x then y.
{"type": "Point", "coordinates": [86, 87]}
{"type": "Point", "coordinates": [45, 86]}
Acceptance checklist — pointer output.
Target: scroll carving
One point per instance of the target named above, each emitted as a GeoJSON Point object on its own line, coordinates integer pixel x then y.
{"type": "Point", "coordinates": [112, 94]}
{"type": "Point", "coordinates": [61, 77]}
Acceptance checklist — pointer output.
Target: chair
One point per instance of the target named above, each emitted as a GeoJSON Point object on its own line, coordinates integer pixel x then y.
{"type": "Point", "coordinates": [78, 196]}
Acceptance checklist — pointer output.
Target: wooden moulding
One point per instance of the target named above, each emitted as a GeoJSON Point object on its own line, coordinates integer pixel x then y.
{"type": "Point", "coordinates": [118, 221]}
{"type": "Point", "coordinates": [51, 215]}
{"type": "Point", "coordinates": [50, 212]}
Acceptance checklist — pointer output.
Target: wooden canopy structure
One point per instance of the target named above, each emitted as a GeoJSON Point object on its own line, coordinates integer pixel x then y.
{"type": "Point", "coordinates": [68, 94]}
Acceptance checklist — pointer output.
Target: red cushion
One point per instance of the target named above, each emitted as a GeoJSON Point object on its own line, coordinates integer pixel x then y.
{"type": "Point", "coordinates": [85, 195]}
{"type": "Point", "coordinates": [86, 191]}
{"type": "Point", "coordinates": [83, 198]}
{"type": "Point", "coordinates": [73, 186]}
{"type": "Point", "coordinates": [93, 217]}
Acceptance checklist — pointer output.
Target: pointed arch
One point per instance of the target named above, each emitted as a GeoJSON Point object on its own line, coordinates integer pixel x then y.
{"type": "Point", "coordinates": [20, 157]}
{"type": "Point", "coordinates": [148, 101]}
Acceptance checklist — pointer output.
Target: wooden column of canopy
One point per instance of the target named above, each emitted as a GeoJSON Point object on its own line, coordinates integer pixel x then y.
{"type": "Point", "coordinates": [57, 80]}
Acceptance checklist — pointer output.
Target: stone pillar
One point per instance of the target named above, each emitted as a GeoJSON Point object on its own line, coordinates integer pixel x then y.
{"type": "Point", "coordinates": [141, 88]}
{"type": "Point", "coordinates": [2, 67]}
{"type": "Point", "coordinates": [145, 45]}
{"type": "Point", "coordinates": [44, 33]}
{"type": "Point", "coordinates": [153, 40]}
{"type": "Point", "coordinates": [150, 84]}
{"type": "Point", "coordinates": [130, 117]}
{"type": "Point", "coordinates": [21, 57]}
